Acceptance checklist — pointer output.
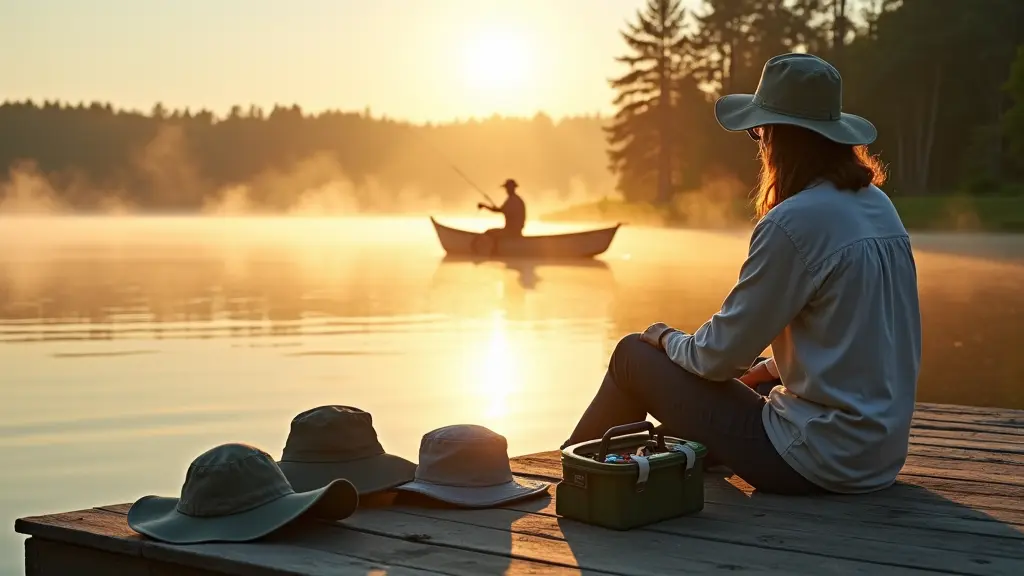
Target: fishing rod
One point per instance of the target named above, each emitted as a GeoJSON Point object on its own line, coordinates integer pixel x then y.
{"type": "Point", "coordinates": [453, 166]}
{"type": "Point", "coordinates": [466, 178]}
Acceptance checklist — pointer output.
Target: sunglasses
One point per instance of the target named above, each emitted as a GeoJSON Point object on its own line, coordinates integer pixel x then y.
{"type": "Point", "coordinates": [754, 134]}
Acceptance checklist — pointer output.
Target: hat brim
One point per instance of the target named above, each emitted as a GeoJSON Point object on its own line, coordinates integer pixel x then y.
{"type": "Point", "coordinates": [158, 517]}
{"type": "Point", "coordinates": [478, 497]}
{"type": "Point", "coordinates": [738, 112]}
{"type": "Point", "coordinates": [369, 475]}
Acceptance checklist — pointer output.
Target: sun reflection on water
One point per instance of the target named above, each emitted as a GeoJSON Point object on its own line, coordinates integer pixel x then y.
{"type": "Point", "coordinates": [495, 376]}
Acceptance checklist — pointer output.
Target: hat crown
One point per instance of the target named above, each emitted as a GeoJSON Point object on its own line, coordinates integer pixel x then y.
{"type": "Point", "coordinates": [464, 455]}
{"type": "Point", "coordinates": [331, 434]}
{"type": "Point", "coordinates": [229, 479]}
{"type": "Point", "coordinates": [801, 85]}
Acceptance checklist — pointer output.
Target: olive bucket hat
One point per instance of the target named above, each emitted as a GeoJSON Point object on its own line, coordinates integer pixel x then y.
{"type": "Point", "coordinates": [801, 90]}
{"type": "Point", "coordinates": [330, 442]}
{"type": "Point", "coordinates": [236, 493]}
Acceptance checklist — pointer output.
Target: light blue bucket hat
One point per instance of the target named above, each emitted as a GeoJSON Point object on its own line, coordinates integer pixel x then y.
{"type": "Point", "coordinates": [467, 465]}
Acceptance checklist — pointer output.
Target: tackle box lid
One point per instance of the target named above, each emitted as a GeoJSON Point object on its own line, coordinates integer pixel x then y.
{"type": "Point", "coordinates": [628, 437]}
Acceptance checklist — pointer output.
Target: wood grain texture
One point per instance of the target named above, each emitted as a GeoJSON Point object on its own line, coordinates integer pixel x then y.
{"type": "Point", "coordinates": [957, 508]}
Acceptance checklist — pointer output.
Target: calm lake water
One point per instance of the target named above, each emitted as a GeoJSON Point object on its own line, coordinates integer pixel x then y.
{"type": "Point", "coordinates": [129, 346]}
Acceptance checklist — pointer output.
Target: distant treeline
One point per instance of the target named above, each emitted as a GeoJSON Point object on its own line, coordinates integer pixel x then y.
{"type": "Point", "coordinates": [96, 157]}
{"type": "Point", "coordinates": [933, 75]}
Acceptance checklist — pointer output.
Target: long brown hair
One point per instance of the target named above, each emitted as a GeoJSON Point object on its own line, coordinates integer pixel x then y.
{"type": "Point", "coordinates": [793, 158]}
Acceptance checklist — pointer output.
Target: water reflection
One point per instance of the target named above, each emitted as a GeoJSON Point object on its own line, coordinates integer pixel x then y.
{"type": "Point", "coordinates": [282, 287]}
{"type": "Point", "coordinates": [117, 326]}
{"type": "Point", "coordinates": [106, 299]}
{"type": "Point", "coordinates": [526, 268]}
{"type": "Point", "coordinates": [522, 289]}
{"type": "Point", "coordinates": [285, 289]}
{"type": "Point", "coordinates": [495, 376]}
{"type": "Point", "coordinates": [190, 332]}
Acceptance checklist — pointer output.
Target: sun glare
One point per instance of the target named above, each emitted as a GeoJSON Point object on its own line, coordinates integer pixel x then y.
{"type": "Point", "coordinates": [497, 60]}
{"type": "Point", "coordinates": [494, 378]}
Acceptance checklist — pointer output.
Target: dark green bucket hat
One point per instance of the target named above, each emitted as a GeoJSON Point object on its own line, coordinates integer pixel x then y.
{"type": "Point", "coordinates": [236, 493]}
{"type": "Point", "coordinates": [800, 90]}
{"type": "Point", "coordinates": [330, 442]}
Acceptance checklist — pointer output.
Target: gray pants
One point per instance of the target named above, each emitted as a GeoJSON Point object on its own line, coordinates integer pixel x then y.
{"type": "Point", "coordinates": [724, 416]}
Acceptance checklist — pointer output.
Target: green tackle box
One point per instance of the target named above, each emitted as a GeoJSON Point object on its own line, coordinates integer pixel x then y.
{"type": "Point", "coordinates": [616, 495]}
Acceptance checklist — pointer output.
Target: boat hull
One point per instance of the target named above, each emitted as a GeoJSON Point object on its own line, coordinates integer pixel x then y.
{"type": "Point", "coordinates": [574, 245]}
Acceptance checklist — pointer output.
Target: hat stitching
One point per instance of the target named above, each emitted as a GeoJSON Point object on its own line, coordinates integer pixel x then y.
{"type": "Point", "coordinates": [759, 101]}
{"type": "Point", "coordinates": [461, 485]}
{"type": "Point", "coordinates": [232, 462]}
{"type": "Point", "coordinates": [262, 497]}
{"type": "Point", "coordinates": [462, 437]}
{"type": "Point", "coordinates": [331, 456]}
{"type": "Point", "coordinates": [477, 440]}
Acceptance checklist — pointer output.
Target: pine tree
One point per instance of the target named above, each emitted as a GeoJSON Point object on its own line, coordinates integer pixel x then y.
{"type": "Point", "coordinates": [736, 37]}
{"type": "Point", "coordinates": [641, 136]}
{"type": "Point", "coordinates": [840, 25]}
{"type": "Point", "coordinates": [719, 43]}
{"type": "Point", "coordinates": [1013, 120]}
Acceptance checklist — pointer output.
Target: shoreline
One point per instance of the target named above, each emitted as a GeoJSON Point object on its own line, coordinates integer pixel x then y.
{"type": "Point", "coordinates": [945, 214]}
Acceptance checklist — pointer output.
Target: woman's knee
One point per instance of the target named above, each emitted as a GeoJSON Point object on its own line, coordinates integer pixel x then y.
{"type": "Point", "coordinates": [628, 344]}
{"type": "Point", "coordinates": [630, 351]}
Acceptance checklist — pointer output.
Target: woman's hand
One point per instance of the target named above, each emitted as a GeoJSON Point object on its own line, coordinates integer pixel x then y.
{"type": "Point", "coordinates": [654, 334]}
{"type": "Point", "coordinates": [758, 374]}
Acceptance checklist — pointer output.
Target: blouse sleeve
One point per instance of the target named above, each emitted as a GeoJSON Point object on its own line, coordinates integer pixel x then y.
{"type": "Point", "coordinates": [774, 285]}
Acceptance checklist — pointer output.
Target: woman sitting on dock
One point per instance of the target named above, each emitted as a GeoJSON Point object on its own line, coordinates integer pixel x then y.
{"type": "Point", "coordinates": [829, 281]}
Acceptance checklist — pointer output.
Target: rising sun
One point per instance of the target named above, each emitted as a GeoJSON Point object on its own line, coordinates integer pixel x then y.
{"type": "Point", "coordinates": [497, 60]}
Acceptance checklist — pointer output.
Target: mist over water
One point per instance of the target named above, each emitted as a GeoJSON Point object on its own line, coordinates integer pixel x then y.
{"type": "Point", "coordinates": [190, 166]}
{"type": "Point", "coordinates": [315, 186]}
{"type": "Point", "coordinates": [306, 166]}
{"type": "Point", "coordinates": [177, 167]}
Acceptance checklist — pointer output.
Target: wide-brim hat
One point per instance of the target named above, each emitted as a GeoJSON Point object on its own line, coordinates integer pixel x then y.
{"type": "Point", "coordinates": [799, 90]}
{"type": "Point", "coordinates": [510, 183]}
{"type": "Point", "coordinates": [467, 465]}
{"type": "Point", "coordinates": [236, 493]}
{"type": "Point", "coordinates": [369, 475]}
{"type": "Point", "coordinates": [479, 497]}
{"type": "Point", "coordinates": [330, 442]}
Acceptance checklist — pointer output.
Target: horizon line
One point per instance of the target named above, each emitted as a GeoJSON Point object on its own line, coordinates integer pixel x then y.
{"type": "Point", "coordinates": [366, 112]}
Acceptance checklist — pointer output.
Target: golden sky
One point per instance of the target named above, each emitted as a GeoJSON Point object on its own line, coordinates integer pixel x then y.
{"type": "Point", "coordinates": [413, 59]}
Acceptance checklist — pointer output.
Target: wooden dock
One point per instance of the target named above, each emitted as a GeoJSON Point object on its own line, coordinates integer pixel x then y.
{"type": "Point", "coordinates": [957, 509]}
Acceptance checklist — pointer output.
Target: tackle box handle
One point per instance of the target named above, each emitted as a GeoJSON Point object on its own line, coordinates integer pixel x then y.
{"type": "Point", "coordinates": [622, 430]}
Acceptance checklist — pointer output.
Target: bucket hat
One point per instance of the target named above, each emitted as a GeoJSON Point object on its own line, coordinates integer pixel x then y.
{"type": "Point", "coordinates": [467, 465]}
{"type": "Point", "coordinates": [510, 184]}
{"type": "Point", "coordinates": [801, 90]}
{"type": "Point", "coordinates": [330, 442]}
{"type": "Point", "coordinates": [236, 493]}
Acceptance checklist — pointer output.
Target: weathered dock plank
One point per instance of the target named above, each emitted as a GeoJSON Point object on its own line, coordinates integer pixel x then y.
{"type": "Point", "coordinates": [958, 508]}
{"type": "Point", "coordinates": [47, 557]}
{"type": "Point", "coordinates": [321, 549]}
{"type": "Point", "coordinates": [636, 553]}
{"type": "Point", "coordinates": [786, 541]}
{"type": "Point", "coordinates": [108, 532]}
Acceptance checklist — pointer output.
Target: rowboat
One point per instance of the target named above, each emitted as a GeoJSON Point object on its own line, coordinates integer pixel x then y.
{"type": "Point", "coordinates": [574, 245]}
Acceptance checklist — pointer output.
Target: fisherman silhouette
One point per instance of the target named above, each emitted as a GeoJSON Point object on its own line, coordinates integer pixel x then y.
{"type": "Point", "coordinates": [514, 210]}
